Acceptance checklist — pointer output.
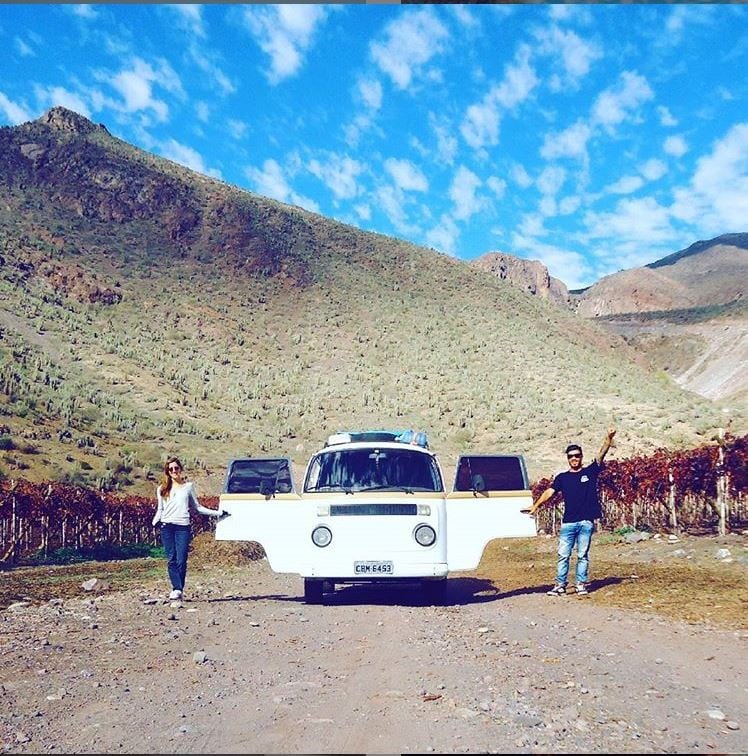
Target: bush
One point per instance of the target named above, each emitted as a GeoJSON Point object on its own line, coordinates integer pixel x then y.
{"type": "Point", "coordinates": [6, 443]}
{"type": "Point", "coordinates": [624, 530]}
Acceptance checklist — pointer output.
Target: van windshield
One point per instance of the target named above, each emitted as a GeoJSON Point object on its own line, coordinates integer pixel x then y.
{"type": "Point", "coordinates": [354, 470]}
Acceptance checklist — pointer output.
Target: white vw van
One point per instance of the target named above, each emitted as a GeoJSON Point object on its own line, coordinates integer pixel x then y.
{"type": "Point", "coordinates": [374, 508]}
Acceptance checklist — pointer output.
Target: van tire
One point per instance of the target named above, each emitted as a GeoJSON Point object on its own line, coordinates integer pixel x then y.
{"type": "Point", "coordinates": [313, 591]}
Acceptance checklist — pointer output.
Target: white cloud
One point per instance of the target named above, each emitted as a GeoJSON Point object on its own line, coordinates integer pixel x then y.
{"type": "Point", "coordinates": [411, 41]}
{"type": "Point", "coordinates": [625, 185]}
{"type": "Point", "coordinates": [571, 142]}
{"type": "Point", "coordinates": [551, 179]}
{"type": "Point", "coordinates": [237, 128]}
{"type": "Point", "coordinates": [136, 84]}
{"type": "Point", "coordinates": [84, 11]}
{"type": "Point", "coordinates": [643, 221]}
{"type": "Point", "coordinates": [480, 126]}
{"type": "Point", "coordinates": [567, 265]}
{"type": "Point", "coordinates": [363, 211]}
{"type": "Point", "coordinates": [665, 116]}
{"type": "Point", "coordinates": [49, 97]}
{"type": "Point", "coordinates": [675, 146]}
{"type": "Point", "coordinates": [548, 207]}
{"type": "Point", "coordinates": [270, 181]}
{"type": "Point", "coordinates": [202, 111]}
{"type": "Point", "coordinates": [576, 54]}
{"type": "Point", "coordinates": [361, 123]}
{"type": "Point", "coordinates": [532, 225]}
{"type": "Point", "coordinates": [718, 194]}
{"type": "Point", "coordinates": [189, 17]}
{"type": "Point", "coordinates": [653, 169]}
{"type": "Point", "coordinates": [569, 205]}
{"type": "Point", "coordinates": [446, 142]}
{"type": "Point", "coordinates": [521, 176]}
{"type": "Point", "coordinates": [339, 173]}
{"type": "Point", "coordinates": [463, 193]}
{"type": "Point", "coordinates": [617, 104]}
{"type": "Point", "coordinates": [285, 33]}
{"type": "Point", "coordinates": [497, 186]}
{"type": "Point", "coordinates": [443, 237]}
{"type": "Point", "coordinates": [464, 16]}
{"type": "Point", "coordinates": [13, 112]}
{"type": "Point", "coordinates": [572, 13]}
{"type": "Point", "coordinates": [202, 59]}
{"type": "Point", "coordinates": [681, 17]}
{"type": "Point", "coordinates": [187, 156]}
{"type": "Point", "coordinates": [407, 177]}
{"type": "Point", "coordinates": [390, 200]}
{"type": "Point", "coordinates": [24, 49]}
{"type": "Point", "coordinates": [370, 92]}
{"type": "Point", "coordinates": [519, 80]}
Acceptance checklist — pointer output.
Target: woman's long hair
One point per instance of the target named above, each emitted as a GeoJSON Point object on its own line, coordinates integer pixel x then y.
{"type": "Point", "coordinates": [166, 481]}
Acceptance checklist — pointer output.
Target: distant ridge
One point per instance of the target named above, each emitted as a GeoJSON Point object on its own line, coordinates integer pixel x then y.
{"type": "Point", "coordinates": [733, 240]}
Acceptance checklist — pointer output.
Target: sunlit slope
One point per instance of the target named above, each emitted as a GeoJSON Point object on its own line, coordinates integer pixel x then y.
{"type": "Point", "coordinates": [147, 308]}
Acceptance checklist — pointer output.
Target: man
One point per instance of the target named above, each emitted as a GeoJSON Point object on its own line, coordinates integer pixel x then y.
{"type": "Point", "coordinates": [578, 485]}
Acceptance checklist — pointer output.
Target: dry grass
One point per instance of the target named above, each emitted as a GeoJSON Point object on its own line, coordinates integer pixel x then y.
{"type": "Point", "coordinates": [694, 586]}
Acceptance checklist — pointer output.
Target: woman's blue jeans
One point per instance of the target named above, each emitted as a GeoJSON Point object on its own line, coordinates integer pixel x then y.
{"type": "Point", "coordinates": [579, 534]}
{"type": "Point", "coordinates": [176, 541]}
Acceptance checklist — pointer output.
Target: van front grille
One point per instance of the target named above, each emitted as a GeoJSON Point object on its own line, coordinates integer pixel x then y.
{"type": "Point", "coordinates": [350, 510]}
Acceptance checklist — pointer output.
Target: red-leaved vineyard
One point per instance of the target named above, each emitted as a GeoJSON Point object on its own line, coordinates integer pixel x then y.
{"type": "Point", "coordinates": [700, 490]}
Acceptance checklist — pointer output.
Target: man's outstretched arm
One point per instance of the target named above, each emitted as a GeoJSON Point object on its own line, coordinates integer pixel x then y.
{"type": "Point", "coordinates": [606, 445]}
{"type": "Point", "coordinates": [541, 500]}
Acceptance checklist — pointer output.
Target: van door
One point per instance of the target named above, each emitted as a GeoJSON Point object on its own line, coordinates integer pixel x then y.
{"type": "Point", "coordinates": [485, 502]}
{"type": "Point", "coordinates": [261, 504]}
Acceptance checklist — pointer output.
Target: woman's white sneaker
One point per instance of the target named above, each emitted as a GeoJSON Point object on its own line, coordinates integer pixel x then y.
{"type": "Point", "coordinates": [175, 595]}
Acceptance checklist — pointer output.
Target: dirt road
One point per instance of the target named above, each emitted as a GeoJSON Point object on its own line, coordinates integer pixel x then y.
{"type": "Point", "coordinates": [244, 666]}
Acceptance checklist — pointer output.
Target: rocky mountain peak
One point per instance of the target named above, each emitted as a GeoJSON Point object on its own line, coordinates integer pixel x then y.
{"type": "Point", "coordinates": [62, 119]}
{"type": "Point", "coordinates": [529, 275]}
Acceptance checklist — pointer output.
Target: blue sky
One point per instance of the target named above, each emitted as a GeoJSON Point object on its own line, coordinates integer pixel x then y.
{"type": "Point", "coordinates": [593, 138]}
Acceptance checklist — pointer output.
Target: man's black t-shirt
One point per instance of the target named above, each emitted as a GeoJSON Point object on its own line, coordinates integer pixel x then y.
{"type": "Point", "coordinates": [579, 490]}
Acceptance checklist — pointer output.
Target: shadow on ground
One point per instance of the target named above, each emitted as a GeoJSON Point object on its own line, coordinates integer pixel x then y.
{"type": "Point", "coordinates": [460, 592]}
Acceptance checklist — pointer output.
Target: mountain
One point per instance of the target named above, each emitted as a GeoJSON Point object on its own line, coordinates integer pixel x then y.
{"type": "Point", "coordinates": [529, 275]}
{"type": "Point", "coordinates": [708, 273]}
{"type": "Point", "coordinates": [149, 310]}
{"type": "Point", "coordinates": [686, 313]}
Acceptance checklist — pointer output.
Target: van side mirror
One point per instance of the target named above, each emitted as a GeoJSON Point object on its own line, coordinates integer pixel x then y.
{"type": "Point", "coordinates": [267, 488]}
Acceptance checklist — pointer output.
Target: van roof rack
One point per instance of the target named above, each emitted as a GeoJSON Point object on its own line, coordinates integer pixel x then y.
{"type": "Point", "coordinates": [405, 437]}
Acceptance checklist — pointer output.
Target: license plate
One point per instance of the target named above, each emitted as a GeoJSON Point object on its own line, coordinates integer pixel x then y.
{"type": "Point", "coordinates": [372, 568]}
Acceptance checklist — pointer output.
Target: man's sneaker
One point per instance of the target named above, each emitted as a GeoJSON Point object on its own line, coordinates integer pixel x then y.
{"type": "Point", "coordinates": [557, 590]}
{"type": "Point", "coordinates": [175, 595]}
{"type": "Point", "coordinates": [582, 590]}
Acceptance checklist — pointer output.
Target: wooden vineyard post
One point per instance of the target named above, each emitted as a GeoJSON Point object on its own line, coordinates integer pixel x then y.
{"type": "Point", "coordinates": [721, 483]}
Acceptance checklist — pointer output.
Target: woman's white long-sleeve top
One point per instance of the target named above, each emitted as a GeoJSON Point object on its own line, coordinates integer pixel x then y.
{"type": "Point", "coordinates": [175, 509]}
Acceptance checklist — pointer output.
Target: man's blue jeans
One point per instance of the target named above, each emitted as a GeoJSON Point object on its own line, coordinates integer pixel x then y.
{"type": "Point", "coordinates": [176, 541]}
{"type": "Point", "coordinates": [579, 534]}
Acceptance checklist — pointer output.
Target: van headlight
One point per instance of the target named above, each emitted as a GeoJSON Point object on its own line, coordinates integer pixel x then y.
{"type": "Point", "coordinates": [425, 535]}
{"type": "Point", "coordinates": [321, 536]}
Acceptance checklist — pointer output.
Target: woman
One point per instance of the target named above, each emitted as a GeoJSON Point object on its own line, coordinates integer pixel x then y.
{"type": "Point", "coordinates": [176, 496]}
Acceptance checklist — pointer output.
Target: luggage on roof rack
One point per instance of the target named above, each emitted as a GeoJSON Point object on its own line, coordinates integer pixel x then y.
{"type": "Point", "coordinates": [405, 437]}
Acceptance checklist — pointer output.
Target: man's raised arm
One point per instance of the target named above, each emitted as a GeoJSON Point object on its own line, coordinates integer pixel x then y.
{"type": "Point", "coordinates": [606, 445]}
